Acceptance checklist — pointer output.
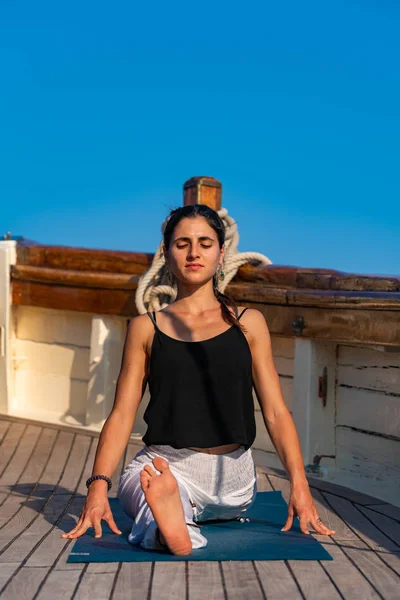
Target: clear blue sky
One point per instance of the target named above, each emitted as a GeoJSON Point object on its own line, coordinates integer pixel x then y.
{"type": "Point", "coordinates": [107, 108]}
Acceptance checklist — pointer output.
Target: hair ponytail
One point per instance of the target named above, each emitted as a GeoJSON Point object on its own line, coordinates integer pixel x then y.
{"type": "Point", "coordinates": [226, 303]}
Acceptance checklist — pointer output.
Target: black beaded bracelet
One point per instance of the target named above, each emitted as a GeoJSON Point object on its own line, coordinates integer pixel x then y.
{"type": "Point", "coordinates": [96, 477]}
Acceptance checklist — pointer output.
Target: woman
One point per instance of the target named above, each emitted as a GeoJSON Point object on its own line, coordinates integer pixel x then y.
{"type": "Point", "coordinates": [196, 463]}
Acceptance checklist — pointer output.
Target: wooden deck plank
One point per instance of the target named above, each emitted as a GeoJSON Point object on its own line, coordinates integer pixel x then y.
{"type": "Point", "coordinates": [16, 546]}
{"type": "Point", "coordinates": [241, 581]}
{"type": "Point", "coordinates": [276, 580]}
{"type": "Point", "coordinates": [23, 545]}
{"type": "Point", "coordinates": [351, 544]}
{"type": "Point", "coordinates": [21, 520]}
{"type": "Point", "coordinates": [25, 584]}
{"type": "Point", "coordinates": [134, 580]}
{"type": "Point", "coordinates": [380, 577]}
{"type": "Point", "coordinates": [205, 581]}
{"type": "Point", "coordinates": [347, 543]}
{"type": "Point", "coordinates": [263, 484]}
{"type": "Point", "coordinates": [334, 488]}
{"type": "Point", "coordinates": [10, 444]}
{"type": "Point", "coordinates": [313, 580]}
{"type": "Point", "coordinates": [28, 479]}
{"type": "Point", "coordinates": [57, 462]}
{"type": "Point", "coordinates": [73, 469]}
{"type": "Point", "coordinates": [20, 458]}
{"type": "Point", "coordinates": [111, 567]}
{"type": "Point", "coordinates": [95, 585]}
{"type": "Point", "coordinates": [386, 509]}
{"type": "Point", "coordinates": [15, 503]}
{"type": "Point", "coordinates": [53, 545]}
{"type": "Point", "coordinates": [345, 576]}
{"type": "Point", "coordinates": [360, 524]}
{"type": "Point", "coordinates": [389, 526]}
{"type": "Point", "coordinates": [87, 470]}
{"type": "Point", "coordinates": [6, 572]}
{"type": "Point", "coordinates": [27, 482]}
{"type": "Point", "coordinates": [392, 559]}
{"type": "Point", "coordinates": [12, 504]}
{"type": "Point", "coordinates": [4, 427]}
{"type": "Point", "coordinates": [338, 490]}
{"type": "Point", "coordinates": [60, 585]}
{"type": "Point", "coordinates": [169, 581]}
{"type": "Point", "coordinates": [348, 577]}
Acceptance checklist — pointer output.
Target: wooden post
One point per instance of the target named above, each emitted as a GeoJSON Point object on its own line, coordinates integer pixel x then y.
{"type": "Point", "coordinates": [7, 258]}
{"type": "Point", "coordinates": [315, 423]}
{"type": "Point", "coordinates": [203, 190]}
{"type": "Point", "coordinates": [106, 346]}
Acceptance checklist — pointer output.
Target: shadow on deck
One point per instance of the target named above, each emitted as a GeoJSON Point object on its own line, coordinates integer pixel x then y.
{"type": "Point", "coordinates": [43, 469]}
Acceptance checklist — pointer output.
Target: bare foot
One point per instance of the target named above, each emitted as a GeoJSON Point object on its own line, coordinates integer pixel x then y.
{"type": "Point", "coordinates": [162, 495]}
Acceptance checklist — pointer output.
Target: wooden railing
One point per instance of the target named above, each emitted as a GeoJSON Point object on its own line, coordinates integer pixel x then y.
{"type": "Point", "coordinates": [300, 302]}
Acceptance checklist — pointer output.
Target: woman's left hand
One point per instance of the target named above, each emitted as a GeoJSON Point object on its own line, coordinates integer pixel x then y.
{"type": "Point", "coordinates": [301, 505]}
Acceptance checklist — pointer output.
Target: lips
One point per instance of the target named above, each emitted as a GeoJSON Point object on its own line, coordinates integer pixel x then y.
{"type": "Point", "coordinates": [194, 267]}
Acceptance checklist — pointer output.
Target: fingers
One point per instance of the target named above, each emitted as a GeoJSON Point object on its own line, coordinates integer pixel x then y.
{"type": "Point", "coordinates": [77, 532]}
{"type": "Point", "coordinates": [305, 519]}
{"type": "Point", "coordinates": [79, 523]}
{"type": "Point", "coordinates": [319, 527]}
{"type": "Point", "coordinates": [85, 522]}
{"type": "Point", "coordinates": [289, 522]}
{"type": "Point", "coordinates": [303, 525]}
{"type": "Point", "coordinates": [111, 523]}
{"type": "Point", "coordinates": [96, 523]}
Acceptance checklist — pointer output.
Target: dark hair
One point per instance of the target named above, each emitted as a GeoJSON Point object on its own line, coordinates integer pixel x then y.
{"type": "Point", "coordinates": [214, 220]}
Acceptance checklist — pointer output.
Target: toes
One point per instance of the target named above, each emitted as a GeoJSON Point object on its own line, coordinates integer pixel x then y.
{"type": "Point", "coordinates": [144, 480]}
{"type": "Point", "coordinates": [149, 471]}
{"type": "Point", "coordinates": [160, 464]}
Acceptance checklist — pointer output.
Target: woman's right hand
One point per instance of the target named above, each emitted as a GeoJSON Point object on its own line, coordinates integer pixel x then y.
{"type": "Point", "coordinates": [96, 508]}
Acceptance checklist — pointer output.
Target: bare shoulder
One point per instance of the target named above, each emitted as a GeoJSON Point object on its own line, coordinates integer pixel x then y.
{"type": "Point", "coordinates": [255, 323]}
{"type": "Point", "coordinates": [139, 330]}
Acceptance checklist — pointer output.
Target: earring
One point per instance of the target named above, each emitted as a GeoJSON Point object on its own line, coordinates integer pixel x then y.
{"type": "Point", "coordinates": [222, 274]}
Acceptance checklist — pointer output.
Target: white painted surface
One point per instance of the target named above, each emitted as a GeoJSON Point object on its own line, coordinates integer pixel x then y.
{"type": "Point", "coordinates": [51, 364]}
{"type": "Point", "coordinates": [369, 456]}
{"type": "Point", "coordinates": [368, 410]}
{"type": "Point", "coordinates": [54, 326]}
{"type": "Point", "coordinates": [106, 346]}
{"type": "Point", "coordinates": [315, 423]}
{"type": "Point", "coordinates": [7, 258]}
{"type": "Point", "coordinates": [283, 354]}
{"type": "Point", "coordinates": [47, 392]}
{"type": "Point", "coordinates": [369, 369]}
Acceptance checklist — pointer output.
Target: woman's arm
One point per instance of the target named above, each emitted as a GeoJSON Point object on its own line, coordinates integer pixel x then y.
{"type": "Point", "coordinates": [116, 430]}
{"type": "Point", "coordinates": [279, 422]}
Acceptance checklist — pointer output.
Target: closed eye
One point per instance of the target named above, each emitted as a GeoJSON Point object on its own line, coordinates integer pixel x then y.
{"type": "Point", "coordinates": [203, 246]}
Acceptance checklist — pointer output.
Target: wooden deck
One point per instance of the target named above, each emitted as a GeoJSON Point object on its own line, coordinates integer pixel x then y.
{"type": "Point", "coordinates": [43, 469]}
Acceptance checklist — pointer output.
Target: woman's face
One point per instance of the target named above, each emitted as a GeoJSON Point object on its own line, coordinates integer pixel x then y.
{"type": "Point", "coordinates": [194, 242]}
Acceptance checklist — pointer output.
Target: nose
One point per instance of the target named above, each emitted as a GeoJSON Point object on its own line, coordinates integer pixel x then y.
{"type": "Point", "coordinates": [193, 252]}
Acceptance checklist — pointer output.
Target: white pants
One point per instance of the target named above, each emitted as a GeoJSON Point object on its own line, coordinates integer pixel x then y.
{"type": "Point", "coordinates": [212, 486]}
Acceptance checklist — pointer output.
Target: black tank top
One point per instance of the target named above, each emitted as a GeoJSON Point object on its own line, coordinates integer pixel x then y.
{"type": "Point", "coordinates": [200, 392]}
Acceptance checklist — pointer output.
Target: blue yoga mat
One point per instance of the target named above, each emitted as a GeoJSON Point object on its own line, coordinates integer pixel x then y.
{"type": "Point", "coordinates": [259, 539]}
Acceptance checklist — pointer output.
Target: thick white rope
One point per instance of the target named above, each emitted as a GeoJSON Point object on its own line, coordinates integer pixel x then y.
{"type": "Point", "coordinates": [154, 290]}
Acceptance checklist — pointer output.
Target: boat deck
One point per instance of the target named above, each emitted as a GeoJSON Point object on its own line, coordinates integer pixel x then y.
{"type": "Point", "coordinates": [43, 469]}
